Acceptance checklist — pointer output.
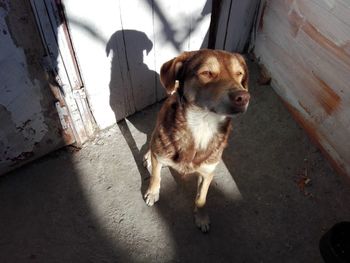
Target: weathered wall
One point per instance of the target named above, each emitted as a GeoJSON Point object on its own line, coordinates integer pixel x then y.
{"type": "Point", "coordinates": [29, 125]}
{"type": "Point", "coordinates": [305, 45]}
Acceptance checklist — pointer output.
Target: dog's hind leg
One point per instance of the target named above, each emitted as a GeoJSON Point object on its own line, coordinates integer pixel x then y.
{"type": "Point", "coordinates": [200, 215]}
{"type": "Point", "coordinates": [152, 194]}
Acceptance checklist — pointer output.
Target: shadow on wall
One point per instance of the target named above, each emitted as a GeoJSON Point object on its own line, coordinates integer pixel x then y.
{"type": "Point", "coordinates": [126, 86]}
{"type": "Point", "coordinates": [170, 32]}
{"type": "Point", "coordinates": [133, 85]}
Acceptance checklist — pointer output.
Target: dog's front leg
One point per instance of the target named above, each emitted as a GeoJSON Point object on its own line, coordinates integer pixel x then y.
{"type": "Point", "coordinates": [152, 194]}
{"type": "Point", "coordinates": [200, 215]}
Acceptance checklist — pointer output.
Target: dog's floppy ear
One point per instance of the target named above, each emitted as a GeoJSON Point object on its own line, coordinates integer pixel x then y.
{"type": "Point", "coordinates": [245, 68]}
{"type": "Point", "coordinates": [170, 72]}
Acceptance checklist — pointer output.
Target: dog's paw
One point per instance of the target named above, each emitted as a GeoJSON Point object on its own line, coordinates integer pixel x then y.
{"type": "Point", "coordinates": [151, 198]}
{"type": "Point", "coordinates": [202, 221]}
{"type": "Point", "coordinates": [147, 160]}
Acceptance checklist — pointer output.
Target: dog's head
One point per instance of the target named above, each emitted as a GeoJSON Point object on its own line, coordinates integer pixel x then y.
{"type": "Point", "coordinates": [211, 79]}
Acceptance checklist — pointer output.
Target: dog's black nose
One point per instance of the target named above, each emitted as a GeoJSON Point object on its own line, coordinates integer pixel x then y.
{"type": "Point", "coordinates": [239, 98]}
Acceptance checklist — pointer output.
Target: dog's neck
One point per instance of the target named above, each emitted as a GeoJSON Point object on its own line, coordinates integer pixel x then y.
{"type": "Point", "coordinates": [203, 124]}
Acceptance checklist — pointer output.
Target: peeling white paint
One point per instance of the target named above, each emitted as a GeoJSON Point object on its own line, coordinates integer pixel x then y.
{"type": "Point", "coordinates": [20, 99]}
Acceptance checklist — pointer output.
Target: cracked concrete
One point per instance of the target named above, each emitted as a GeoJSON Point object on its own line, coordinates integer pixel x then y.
{"type": "Point", "coordinates": [272, 198]}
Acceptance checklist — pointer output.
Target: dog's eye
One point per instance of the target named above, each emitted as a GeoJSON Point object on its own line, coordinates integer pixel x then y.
{"type": "Point", "coordinates": [239, 73]}
{"type": "Point", "coordinates": [207, 74]}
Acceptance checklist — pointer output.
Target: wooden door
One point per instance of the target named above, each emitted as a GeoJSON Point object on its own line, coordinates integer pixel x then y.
{"type": "Point", "coordinates": [121, 46]}
{"type": "Point", "coordinates": [62, 64]}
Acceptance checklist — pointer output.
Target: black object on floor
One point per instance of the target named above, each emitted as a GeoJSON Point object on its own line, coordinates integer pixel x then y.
{"type": "Point", "coordinates": [335, 244]}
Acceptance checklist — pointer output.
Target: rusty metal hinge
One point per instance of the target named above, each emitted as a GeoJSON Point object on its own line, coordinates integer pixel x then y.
{"type": "Point", "coordinates": [63, 114]}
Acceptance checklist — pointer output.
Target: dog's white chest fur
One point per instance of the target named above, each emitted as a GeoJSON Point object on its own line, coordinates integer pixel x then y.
{"type": "Point", "coordinates": [203, 125]}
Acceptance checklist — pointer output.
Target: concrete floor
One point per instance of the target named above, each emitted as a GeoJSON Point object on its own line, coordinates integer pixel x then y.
{"type": "Point", "coordinates": [87, 205]}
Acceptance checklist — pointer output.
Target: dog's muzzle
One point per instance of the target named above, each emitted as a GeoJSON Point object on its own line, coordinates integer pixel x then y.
{"type": "Point", "coordinates": [239, 100]}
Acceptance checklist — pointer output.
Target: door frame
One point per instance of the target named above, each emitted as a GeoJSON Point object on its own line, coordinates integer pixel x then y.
{"type": "Point", "coordinates": [72, 103]}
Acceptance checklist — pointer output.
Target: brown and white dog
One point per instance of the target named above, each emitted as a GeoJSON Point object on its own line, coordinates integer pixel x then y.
{"type": "Point", "coordinates": [206, 88]}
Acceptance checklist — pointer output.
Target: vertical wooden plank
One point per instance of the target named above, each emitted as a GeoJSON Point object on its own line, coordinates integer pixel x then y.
{"type": "Point", "coordinates": [200, 25]}
{"type": "Point", "coordinates": [179, 26]}
{"type": "Point", "coordinates": [235, 24]}
{"type": "Point", "coordinates": [169, 37]}
{"type": "Point", "coordinates": [138, 39]}
{"type": "Point", "coordinates": [240, 25]}
{"type": "Point", "coordinates": [49, 27]}
{"type": "Point", "coordinates": [214, 23]}
{"type": "Point", "coordinates": [58, 28]}
{"type": "Point", "coordinates": [223, 22]}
